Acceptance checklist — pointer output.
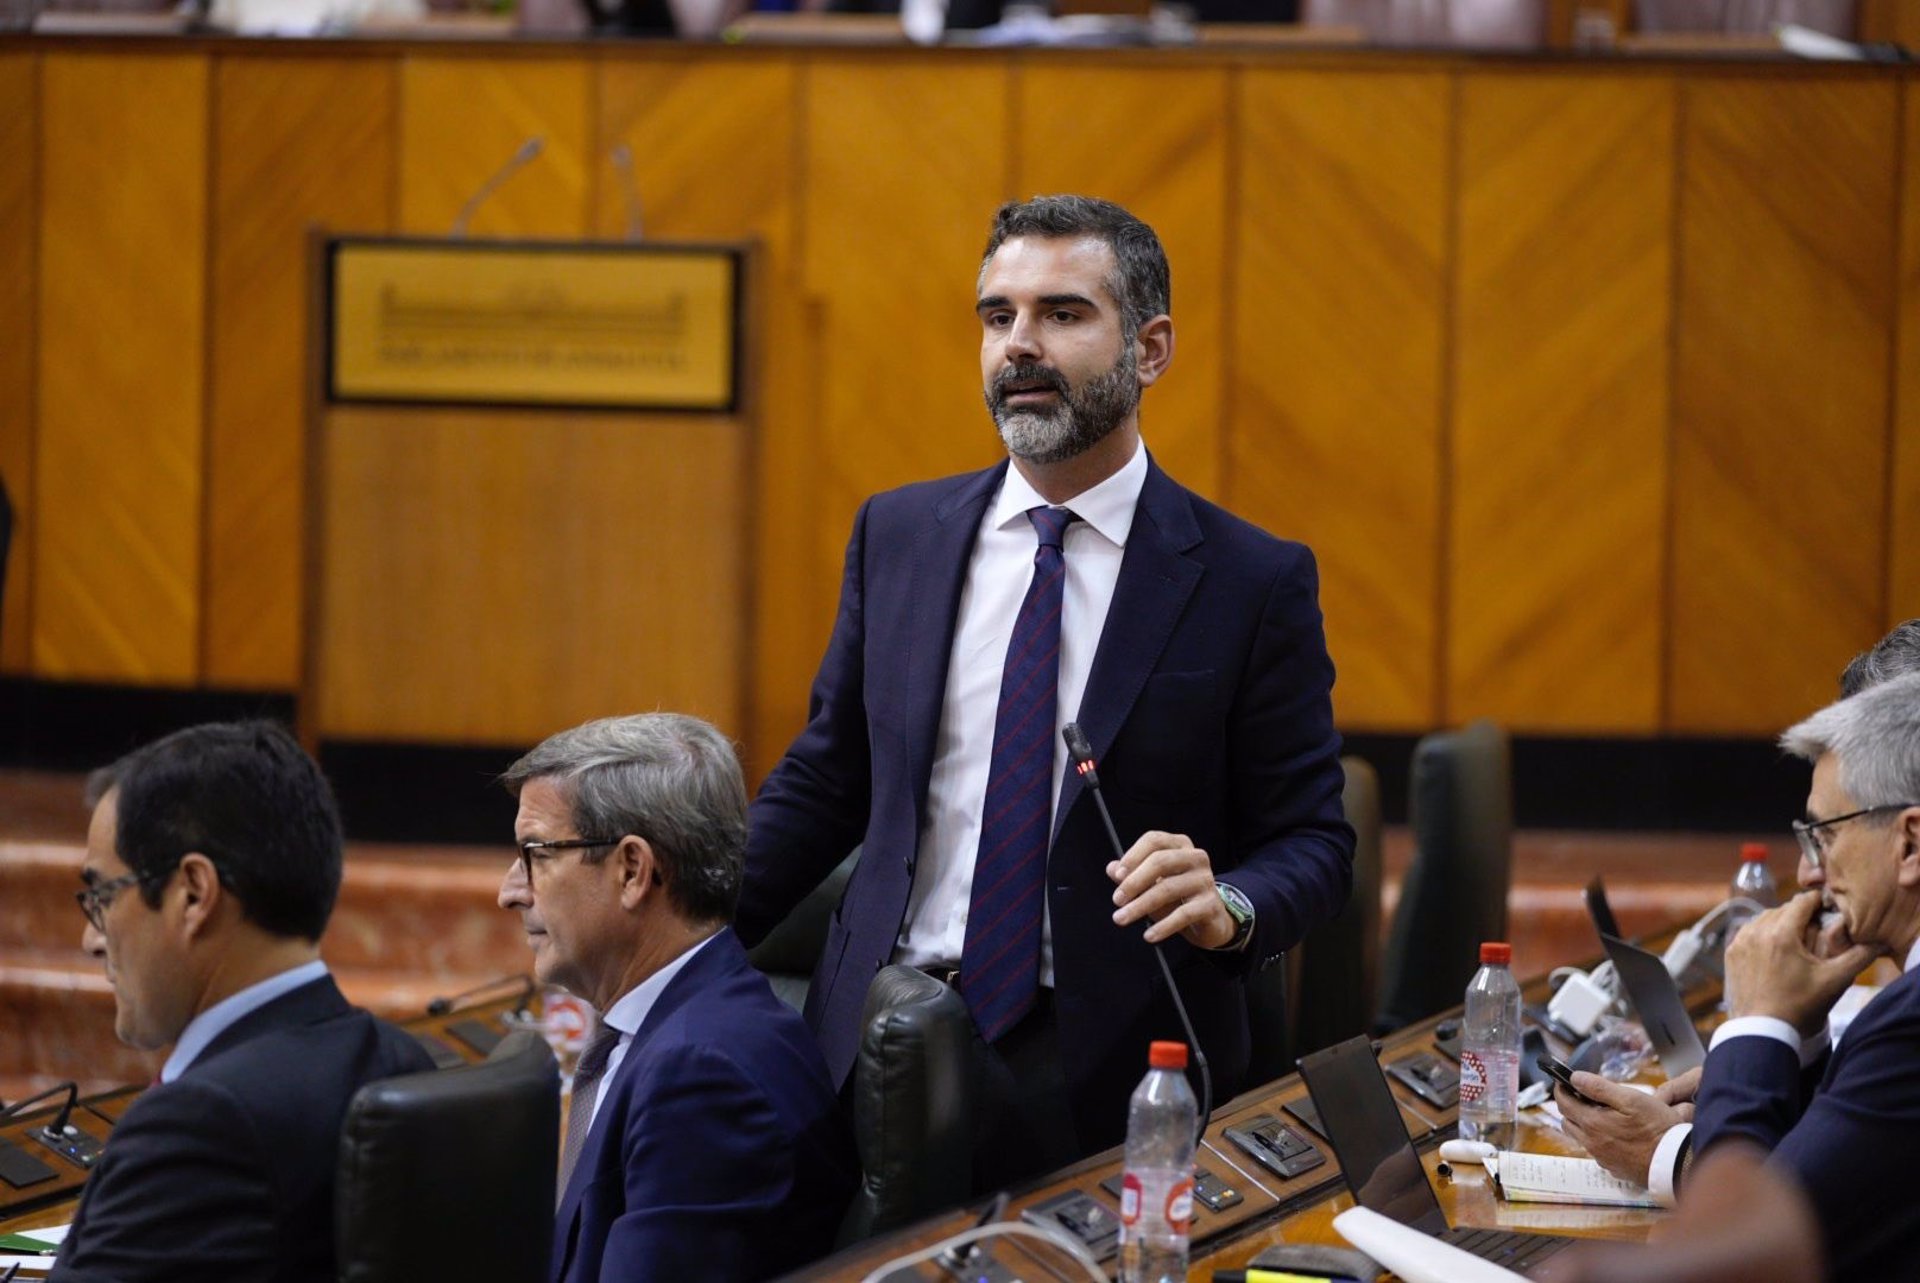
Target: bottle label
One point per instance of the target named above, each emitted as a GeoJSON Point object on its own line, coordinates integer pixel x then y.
{"type": "Point", "coordinates": [1473, 1077]}
{"type": "Point", "coordinates": [1129, 1199]}
{"type": "Point", "coordinates": [1180, 1207]}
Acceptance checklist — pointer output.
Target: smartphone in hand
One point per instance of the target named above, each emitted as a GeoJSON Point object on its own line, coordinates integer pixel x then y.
{"type": "Point", "coordinates": [1558, 1071]}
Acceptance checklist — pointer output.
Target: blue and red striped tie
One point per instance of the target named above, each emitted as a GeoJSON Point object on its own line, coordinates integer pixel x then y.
{"type": "Point", "coordinates": [1000, 963]}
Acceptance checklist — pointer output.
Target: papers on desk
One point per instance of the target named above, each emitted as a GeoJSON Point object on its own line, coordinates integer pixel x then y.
{"type": "Point", "coordinates": [1415, 1257]}
{"type": "Point", "coordinates": [1553, 1178]}
{"type": "Point", "coordinates": [38, 1242]}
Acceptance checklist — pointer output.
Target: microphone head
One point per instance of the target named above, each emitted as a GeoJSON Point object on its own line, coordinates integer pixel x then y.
{"type": "Point", "coordinates": [1079, 747]}
{"type": "Point", "coordinates": [439, 1006]}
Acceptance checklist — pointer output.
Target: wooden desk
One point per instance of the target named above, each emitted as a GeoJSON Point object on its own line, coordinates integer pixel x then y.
{"type": "Point", "coordinates": [1274, 1211]}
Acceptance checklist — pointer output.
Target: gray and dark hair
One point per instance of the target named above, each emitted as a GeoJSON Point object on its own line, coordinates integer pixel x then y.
{"type": "Point", "coordinates": [1141, 282]}
{"type": "Point", "coordinates": [1874, 735]}
{"type": "Point", "coordinates": [1896, 653]}
{"type": "Point", "coordinates": [666, 777]}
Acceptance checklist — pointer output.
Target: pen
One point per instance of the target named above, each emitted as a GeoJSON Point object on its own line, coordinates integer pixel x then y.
{"type": "Point", "coordinates": [1254, 1274]}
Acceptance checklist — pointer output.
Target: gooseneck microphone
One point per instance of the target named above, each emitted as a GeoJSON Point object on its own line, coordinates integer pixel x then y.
{"type": "Point", "coordinates": [455, 1002]}
{"type": "Point", "coordinates": [62, 1123]}
{"type": "Point", "coordinates": [520, 158]}
{"type": "Point", "coordinates": [1080, 749]}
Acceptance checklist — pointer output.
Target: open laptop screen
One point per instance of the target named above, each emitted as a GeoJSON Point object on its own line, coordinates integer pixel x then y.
{"type": "Point", "coordinates": [1657, 1002]}
{"type": "Point", "coordinates": [1363, 1124]}
{"type": "Point", "coordinates": [1600, 911]}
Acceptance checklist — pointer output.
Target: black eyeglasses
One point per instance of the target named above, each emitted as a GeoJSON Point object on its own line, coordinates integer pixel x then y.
{"type": "Point", "coordinates": [1812, 835]}
{"type": "Point", "coordinates": [94, 900]}
{"type": "Point", "coordinates": [529, 851]}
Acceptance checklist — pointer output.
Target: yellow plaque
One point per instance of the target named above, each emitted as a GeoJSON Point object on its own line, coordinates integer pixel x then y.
{"type": "Point", "coordinates": [517, 323]}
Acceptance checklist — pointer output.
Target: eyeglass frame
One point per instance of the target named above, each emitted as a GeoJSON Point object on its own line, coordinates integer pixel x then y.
{"type": "Point", "coordinates": [1804, 830]}
{"type": "Point", "coordinates": [526, 849]}
{"type": "Point", "coordinates": [96, 898]}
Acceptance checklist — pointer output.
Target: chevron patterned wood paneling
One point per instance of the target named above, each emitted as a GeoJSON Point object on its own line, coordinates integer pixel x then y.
{"type": "Point", "coordinates": [299, 143]}
{"type": "Point", "coordinates": [1166, 161]}
{"type": "Point", "coordinates": [462, 119]}
{"type": "Point", "coordinates": [117, 498]}
{"type": "Point", "coordinates": [1787, 246]}
{"type": "Point", "coordinates": [1562, 327]}
{"type": "Point", "coordinates": [19, 222]}
{"type": "Point", "coordinates": [1334, 413]}
{"type": "Point", "coordinates": [714, 149]}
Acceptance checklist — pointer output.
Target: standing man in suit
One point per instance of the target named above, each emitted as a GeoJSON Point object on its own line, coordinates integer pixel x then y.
{"type": "Point", "coordinates": [1843, 1119]}
{"type": "Point", "coordinates": [213, 861]}
{"type": "Point", "coordinates": [703, 1140]}
{"type": "Point", "coordinates": [980, 614]}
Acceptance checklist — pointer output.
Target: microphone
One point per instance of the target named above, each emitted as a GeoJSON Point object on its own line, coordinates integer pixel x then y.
{"type": "Point", "coordinates": [622, 158]}
{"type": "Point", "coordinates": [527, 151]}
{"type": "Point", "coordinates": [1080, 749]}
{"type": "Point", "coordinates": [60, 1135]}
{"type": "Point", "coordinates": [448, 1005]}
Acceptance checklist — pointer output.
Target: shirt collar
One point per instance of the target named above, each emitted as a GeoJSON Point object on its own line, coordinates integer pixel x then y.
{"type": "Point", "coordinates": [223, 1015]}
{"type": "Point", "coordinates": [1913, 957]}
{"type": "Point", "coordinates": [1107, 507]}
{"type": "Point", "coordinates": [631, 1009]}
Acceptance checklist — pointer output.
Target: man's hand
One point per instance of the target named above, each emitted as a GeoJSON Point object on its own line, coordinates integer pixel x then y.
{"type": "Point", "coordinates": [1623, 1129]}
{"type": "Point", "coordinates": [1771, 971]}
{"type": "Point", "coordinates": [1165, 877]}
{"type": "Point", "coordinates": [1681, 1090]}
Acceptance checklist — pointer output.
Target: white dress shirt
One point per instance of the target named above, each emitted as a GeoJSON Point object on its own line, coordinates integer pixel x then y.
{"type": "Point", "coordinates": [998, 573]}
{"type": "Point", "coordinates": [629, 1011]}
{"type": "Point", "coordinates": [1664, 1170]}
{"type": "Point", "coordinates": [220, 1017]}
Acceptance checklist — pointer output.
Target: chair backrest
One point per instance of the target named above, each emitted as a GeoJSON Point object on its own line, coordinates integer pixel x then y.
{"type": "Point", "coordinates": [788, 954]}
{"type": "Point", "coordinates": [1454, 895]}
{"type": "Point", "coordinates": [450, 1173]}
{"type": "Point", "coordinates": [1336, 969]}
{"type": "Point", "coordinates": [912, 1103]}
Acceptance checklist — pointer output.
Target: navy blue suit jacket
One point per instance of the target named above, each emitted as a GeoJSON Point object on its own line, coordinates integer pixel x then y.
{"type": "Point", "coordinates": [1208, 709]}
{"type": "Point", "coordinates": [227, 1172]}
{"type": "Point", "coordinates": [1851, 1144]}
{"type": "Point", "coordinates": [718, 1152]}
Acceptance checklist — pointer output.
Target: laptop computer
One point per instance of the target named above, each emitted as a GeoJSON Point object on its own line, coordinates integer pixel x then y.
{"type": "Point", "coordinates": [1600, 911]}
{"type": "Point", "coordinates": [1381, 1166]}
{"type": "Point", "coordinates": [1657, 1002]}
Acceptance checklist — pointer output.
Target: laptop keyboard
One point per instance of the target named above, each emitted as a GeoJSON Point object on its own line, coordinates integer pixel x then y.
{"type": "Point", "coordinates": [1514, 1250]}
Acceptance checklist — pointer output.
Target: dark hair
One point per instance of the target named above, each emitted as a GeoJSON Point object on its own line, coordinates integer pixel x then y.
{"type": "Point", "coordinates": [247, 797]}
{"type": "Point", "coordinates": [1896, 653]}
{"type": "Point", "coordinates": [669, 778]}
{"type": "Point", "coordinates": [1142, 283]}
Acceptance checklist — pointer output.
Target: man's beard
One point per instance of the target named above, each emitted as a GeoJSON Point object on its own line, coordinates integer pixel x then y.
{"type": "Point", "coordinates": [1076, 422]}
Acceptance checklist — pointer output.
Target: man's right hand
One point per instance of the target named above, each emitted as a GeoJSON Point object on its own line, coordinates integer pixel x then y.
{"type": "Point", "coordinates": [1624, 1127]}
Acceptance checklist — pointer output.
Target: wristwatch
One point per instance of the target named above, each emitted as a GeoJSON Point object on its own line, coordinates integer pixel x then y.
{"type": "Point", "coordinates": [1241, 910]}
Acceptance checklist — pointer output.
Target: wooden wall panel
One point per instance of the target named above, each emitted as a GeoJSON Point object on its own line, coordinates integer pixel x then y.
{"type": "Point", "coordinates": [118, 490]}
{"type": "Point", "coordinates": [1903, 570]}
{"type": "Point", "coordinates": [904, 164]}
{"type": "Point", "coordinates": [462, 119]}
{"type": "Point", "coordinates": [715, 157]}
{"type": "Point", "coordinates": [19, 223]}
{"type": "Point", "coordinates": [1339, 303]}
{"type": "Point", "coordinates": [1781, 373]}
{"type": "Point", "coordinates": [1172, 172]}
{"type": "Point", "coordinates": [299, 143]}
{"type": "Point", "coordinates": [1562, 326]}
{"type": "Point", "coordinates": [573, 569]}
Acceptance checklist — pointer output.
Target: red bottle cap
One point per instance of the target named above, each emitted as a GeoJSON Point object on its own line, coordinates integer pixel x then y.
{"type": "Point", "coordinates": [1167, 1055]}
{"type": "Point", "coordinates": [1495, 951]}
{"type": "Point", "coordinates": [1753, 852]}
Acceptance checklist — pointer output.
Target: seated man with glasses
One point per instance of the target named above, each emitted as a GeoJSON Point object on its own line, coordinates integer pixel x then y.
{"type": "Point", "coordinates": [1842, 1118]}
{"type": "Point", "coordinates": [213, 861]}
{"type": "Point", "coordinates": [704, 1139]}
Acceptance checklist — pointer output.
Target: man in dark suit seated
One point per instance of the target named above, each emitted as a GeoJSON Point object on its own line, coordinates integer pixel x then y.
{"type": "Point", "coordinates": [1843, 1119]}
{"type": "Point", "coordinates": [1074, 581]}
{"type": "Point", "coordinates": [213, 861]}
{"type": "Point", "coordinates": [704, 1140]}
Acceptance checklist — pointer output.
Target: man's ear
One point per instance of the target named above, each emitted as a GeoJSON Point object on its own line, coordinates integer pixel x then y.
{"type": "Point", "coordinates": [1154, 344]}
{"type": "Point", "coordinates": [1906, 828]}
{"type": "Point", "coordinates": [640, 873]}
{"type": "Point", "coordinates": [200, 892]}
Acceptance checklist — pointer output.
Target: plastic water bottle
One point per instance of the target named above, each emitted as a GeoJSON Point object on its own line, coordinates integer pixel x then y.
{"type": "Point", "coordinates": [1156, 1196]}
{"type": "Point", "coordinates": [1490, 1050]}
{"type": "Point", "coordinates": [1753, 879]}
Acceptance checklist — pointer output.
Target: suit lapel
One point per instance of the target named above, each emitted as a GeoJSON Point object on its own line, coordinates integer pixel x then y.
{"type": "Point", "coordinates": [942, 549]}
{"type": "Point", "coordinates": [1156, 581]}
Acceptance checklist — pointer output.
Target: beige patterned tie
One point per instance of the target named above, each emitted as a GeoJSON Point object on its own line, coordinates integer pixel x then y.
{"type": "Point", "coordinates": [586, 1084]}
